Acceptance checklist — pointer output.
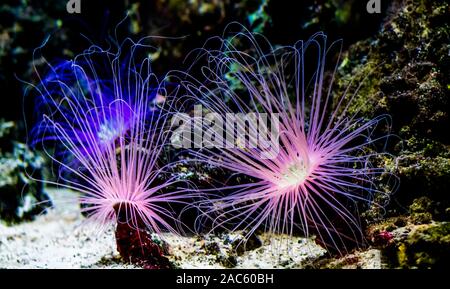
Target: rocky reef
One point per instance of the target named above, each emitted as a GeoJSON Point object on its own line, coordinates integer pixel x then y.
{"type": "Point", "coordinates": [404, 70]}
{"type": "Point", "coordinates": [401, 57]}
{"type": "Point", "coordinates": [21, 197]}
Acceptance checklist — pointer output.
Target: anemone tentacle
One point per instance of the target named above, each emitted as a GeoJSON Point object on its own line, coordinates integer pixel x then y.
{"type": "Point", "coordinates": [102, 123]}
{"type": "Point", "coordinates": [324, 163]}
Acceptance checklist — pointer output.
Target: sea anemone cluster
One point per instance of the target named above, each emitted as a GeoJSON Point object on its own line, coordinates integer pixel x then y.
{"type": "Point", "coordinates": [100, 114]}
{"type": "Point", "coordinates": [104, 119]}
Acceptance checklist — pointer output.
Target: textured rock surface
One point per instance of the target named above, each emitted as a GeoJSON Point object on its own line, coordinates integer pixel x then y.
{"type": "Point", "coordinates": [405, 70]}
{"type": "Point", "coordinates": [21, 198]}
{"type": "Point", "coordinates": [407, 65]}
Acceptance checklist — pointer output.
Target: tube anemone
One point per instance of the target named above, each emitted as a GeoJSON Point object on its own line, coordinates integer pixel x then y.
{"type": "Point", "coordinates": [103, 112]}
{"type": "Point", "coordinates": [90, 98]}
{"type": "Point", "coordinates": [323, 168]}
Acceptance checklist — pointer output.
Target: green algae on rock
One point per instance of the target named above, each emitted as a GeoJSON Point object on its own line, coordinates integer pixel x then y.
{"type": "Point", "coordinates": [21, 197]}
{"type": "Point", "coordinates": [405, 70]}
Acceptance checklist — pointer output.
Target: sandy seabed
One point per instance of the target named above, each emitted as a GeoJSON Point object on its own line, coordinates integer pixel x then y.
{"type": "Point", "coordinates": [62, 238]}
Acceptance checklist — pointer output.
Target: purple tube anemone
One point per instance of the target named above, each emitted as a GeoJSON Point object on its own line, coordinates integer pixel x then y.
{"type": "Point", "coordinates": [103, 112]}
{"type": "Point", "coordinates": [313, 168]}
{"type": "Point", "coordinates": [98, 86]}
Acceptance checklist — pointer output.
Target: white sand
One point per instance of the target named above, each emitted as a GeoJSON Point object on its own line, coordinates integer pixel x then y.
{"type": "Point", "coordinates": [62, 239]}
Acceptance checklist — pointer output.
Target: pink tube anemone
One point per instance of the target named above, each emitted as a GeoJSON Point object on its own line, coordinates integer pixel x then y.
{"type": "Point", "coordinates": [322, 169]}
{"type": "Point", "coordinates": [104, 112]}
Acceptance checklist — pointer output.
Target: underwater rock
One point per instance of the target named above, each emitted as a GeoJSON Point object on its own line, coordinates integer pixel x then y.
{"type": "Point", "coordinates": [422, 210]}
{"type": "Point", "coordinates": [405, 71]}
{"type": "Point", "coordinates": [219, 248]}
{"type": "Point", "coordinates": [19, 20]}
{"type": "Point", "coordinates": [21, 197]}
{"type": "Point", "coordinates": [368, 259]}
{"type": "Point", "coordinates": [415, 241]}
{"type": "Point", "coordinates": [424, 175]}
{"type": "Point", "coordinates": [421, 246]}
{"type": "Point", "coordinates": [241, 245]}
{"type": "Point", "coordinates": [268, 251]}
{"type": "Point", "coordinates": [229, 261]}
